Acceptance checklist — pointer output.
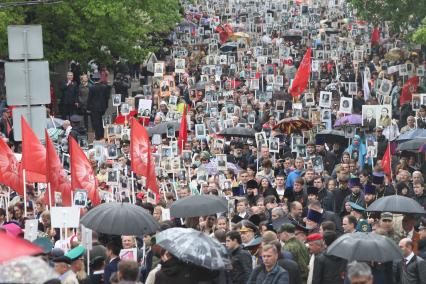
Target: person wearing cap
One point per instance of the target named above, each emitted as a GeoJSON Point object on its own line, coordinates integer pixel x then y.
{"type": "Point", "coordinates": [312, 192]}
{"type": "Point", "coordinates": [298, 250]}
{"type": "Point", "coordinates": [269, 271]}
{"type": "Point", "coordinates": [316, 246]}
{"type": "Point", "coordinates": [369, 194]}
{"type": "Point", "coordinates": [97, 104]}
{"type": "Point", "coordinates": [248, 232]}
{"type": "Point", "coordinates": [386, 224]}
{"type": "Point", "coordinates": [77, 265]}
{"type": "Point", "coordinates": [357, 211]}
{"type": "Point", "coordinates": [96, 270]}
{"type": "Point", "coordinates": [356, 195]}
{"type": "Point", "coordinates": [63, 268]}
{"type": "Point", "coordinates": [329, 158]}
{"type": "Point", "coordinates": [252, 194]}
{"type": "Point", "coordinates": [381, 189]}
{"type": "Point", "coordinates": [319, 215]}
{"type": "Point", "coordinates": [241, 259]}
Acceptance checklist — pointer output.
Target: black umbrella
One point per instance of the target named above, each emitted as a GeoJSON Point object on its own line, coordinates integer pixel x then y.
{"type": "Point", "coordinates": [120, 219]}
{"type": "Point", "coordinates": [412, 145]}
{"type": "Point", "coordinates": [238, 132]}
{"type": "Point", "coordinates": [198, 205]}
{"type": "Point", "coordinates": [365, 247]}
{"type": "Point", "coordinates": [333, 136]}
{"type": "Point", "coordinates": [193, 246]}
{"type": "Point", "coordinates": [396, 204]}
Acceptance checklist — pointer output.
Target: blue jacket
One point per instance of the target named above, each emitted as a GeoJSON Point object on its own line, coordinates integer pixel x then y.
{"type": "Point", "coordinates": [276, 276]}
{"type": "Point", "coordinates": [292, 177]}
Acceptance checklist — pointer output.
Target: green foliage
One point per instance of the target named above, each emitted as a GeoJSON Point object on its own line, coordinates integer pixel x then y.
{"type": "Point", "coordinates": [8, 17]}
{"type": "Point", "coordinates": [86, 29]}
{"type": "Point", "coordinates": [420, 35]}
{"type": "Point", "coordinates": [398, 12]}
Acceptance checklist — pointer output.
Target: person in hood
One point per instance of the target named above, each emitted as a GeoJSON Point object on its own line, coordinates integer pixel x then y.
{"type": "Point", "coordinates": [357, 150]}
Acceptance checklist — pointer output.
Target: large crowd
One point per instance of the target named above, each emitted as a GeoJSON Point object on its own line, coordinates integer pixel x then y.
{"type": "Point", "coordinates": [298, 114]}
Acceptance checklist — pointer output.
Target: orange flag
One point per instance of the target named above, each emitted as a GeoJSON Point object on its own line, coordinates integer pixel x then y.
{"type": "Point", "coordinates": [33, 155]}
{"type": "Point", "coordinates": [82, 174]}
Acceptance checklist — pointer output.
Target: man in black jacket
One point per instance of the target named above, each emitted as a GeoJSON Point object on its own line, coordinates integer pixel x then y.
{"type": "Point", "coordinates": [241, 259]}
{"type": "Point", "coordinates": [69, 98]}
{"type": "Point", "coordinates": [97, 103]}
{"type": "Point", "coordinates": [412, 268]}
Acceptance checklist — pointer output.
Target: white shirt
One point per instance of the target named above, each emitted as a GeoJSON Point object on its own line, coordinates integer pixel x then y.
{"type": "Point", "coordinates": [408, 258]}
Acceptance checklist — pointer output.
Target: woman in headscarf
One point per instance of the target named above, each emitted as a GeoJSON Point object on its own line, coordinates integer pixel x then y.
{"type": "Point", "coordinates": [357, 150]}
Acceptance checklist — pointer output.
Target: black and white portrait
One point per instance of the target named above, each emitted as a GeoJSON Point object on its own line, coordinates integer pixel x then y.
{"type": "Point", "coordinates": [325, 99]}
{"type": "Point", "coordinates": [345, 105]}
{"type": "Point", "coordinates": [80, 198]}
{"type": "Point", "coordinates": [116, 100]}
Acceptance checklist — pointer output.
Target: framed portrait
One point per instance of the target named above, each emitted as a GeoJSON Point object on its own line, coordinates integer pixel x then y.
{"type": "Point", "coordinates": [221, 162]}
{"type": "Point", "coordinates": [116, 100]}
{"type": "Point", "coordinates": [274, 144]}
{"type": "Point", "coordinates": [80, 198]}
{"type": "Point", "coordinates": [200, 130]}
{"type": "Point", "coordinates": [261, 139]}
{"type": "Point", "coordinates": [113, 176]}
{"type": "Point", "coordinates": [345, 105]}
{"type": "Point", "coordinates": [325, 99]}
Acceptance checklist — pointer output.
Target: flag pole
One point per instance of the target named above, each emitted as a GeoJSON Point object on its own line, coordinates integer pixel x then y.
{"type": "Point", "coordinates": [25, 193]}
{"type": "Point", "coordinates": [50, 195]}
{"type": "Point", "coordinates": [133, 188]}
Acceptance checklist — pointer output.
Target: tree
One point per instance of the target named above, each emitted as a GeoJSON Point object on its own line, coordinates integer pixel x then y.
{"type": "Point", "coordinates": [420, 35]}
{"type": "Point", "coordinates": [8, 17]}
{"type": "Point", "coordinates": [398, 13]}
{"type": "Point", "coordinates": [87, 29]}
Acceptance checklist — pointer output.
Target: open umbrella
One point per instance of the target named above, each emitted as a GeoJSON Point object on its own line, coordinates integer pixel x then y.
{"type": "Point", "coordinates": [198, 205]}
{"type": "Point", "coordinates": [412, 145]}
{"type": "Point", "coordinates": [162, 128]}
{"type": "Point", "coordinates": [293, 124]}
{"type": "Point", "coordinates": [120, 219]}
{"type": "Point", "coordinates": [396, 204]}
{"type": "Point", "coordinates": [238, 132]}
{"type": "Point", "coordinates": [417, 133]}
{"type": "Point", "coordinates": [194, 247]}
{"type": "Point", "coordinates": [13, 247]}
{"type": "Point", "coordinates": [331, 135]}
{"type": "Point", "coordinates": [26, 270]}
{"type": "Point", "coordinates": [365, 247]}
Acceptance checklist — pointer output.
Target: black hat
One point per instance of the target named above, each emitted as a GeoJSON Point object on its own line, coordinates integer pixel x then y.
{"type": "Point", "coordinates": [369, 189]}
{"type": "Point", "coordinates": [378, 179]}
{"type": "Point", "coordinates": [319, 141]}
{"type": "Point", "coordinates": [252, 184]}
{"type": "Point", "coordinates": [63, 259]}
{"type": "Point", "coordinates": [255, 219]}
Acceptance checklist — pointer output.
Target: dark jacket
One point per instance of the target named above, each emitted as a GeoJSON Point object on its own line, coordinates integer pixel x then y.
{"type": "Point", "coordinates": [276, 276]}
{"type": "Point", "coordinates": [414, 273]}
{"type": "Point", "coordinates": [382, 144]}
{"type": "Point", "coordinates": [98, 98]}
{"type": "Point", "coordinates": [241, 265]}
{"type": "Point", "coordinates": [328, 269]}
{"type": "Point", "coordinates": [293, 270]}
{"type": "Point", "coordinates": [173, 271]}
{"type": "Point", "coordinates": [110, 268]}
{"type": "Point", "coordinates": [94, 279]}
{"type": "Point", "coordinates": [69, 93]}
{"type": "Point", "coordinates": [421, 199]}
{"type": "Point", "coordinates": [326, 198]}
{"type": "Point", "coordinates": [331, 216]}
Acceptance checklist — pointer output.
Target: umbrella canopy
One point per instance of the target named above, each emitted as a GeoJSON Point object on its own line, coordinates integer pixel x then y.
{"type": "Point", "coordinates": [20, 248]}
{"type": "Point", "coordinates": [413, 145]}
{"type": "Point", "coordinates": [417, 133]}
{"type": "Point", "coordinates": [365, 247]}
{"type": "Point", "coordinates": [198, 205]}
{"type": "Point", "coordinates": [26, 270]}
{"type": "Point", "coordinates": [238, 132]}
{"type": "Point", "coordinates": [352, 119]}
{"type": "Point", "coordinates": [120, 219]}
{"type": "Point", "coordinates": [293, 124]}
{"type": "Point", "coordinates": [193, 246]}
{"type": "Point", "coordinates": [331, 135]}
{"type": "Point", "coordinates": [162, 128]}
{"type": "Point", "coordinates": [396, 204]}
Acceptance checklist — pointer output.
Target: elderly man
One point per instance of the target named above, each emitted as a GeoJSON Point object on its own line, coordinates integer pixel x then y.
{"type": "Point", "coordinates": [411, 124]}
{"type": "Point", "coordinates": [63, 268]}
{"type": "Point", "coordinates": [269, 272]}
{"type": "Point", "coordinates": [359, 272]}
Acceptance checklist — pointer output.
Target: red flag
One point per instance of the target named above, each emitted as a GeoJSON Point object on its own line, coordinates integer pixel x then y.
{"type": "Point", "coordinates": [386, 162]}
{"type": "Point", "coordinates": [302, 75]}
{"type": "Point", "coordinates": [375, 37]}
{"type": "Point", "coordinates": [33, 155]}
{"type": "Point", "coordinates": [10, 169]}
{"type": "Point", "coordinates": [56, 175]}
{"type": "Point", "coordinates": [183, 131]}
{"type": "Point", "coordinates": [408, 89]}
{"type": "Point", "coordinates": [8, 128]}
{"type": "Point", "coordinates": [140, 154]}
{"type": "Point", "coordinates": [82, 174]}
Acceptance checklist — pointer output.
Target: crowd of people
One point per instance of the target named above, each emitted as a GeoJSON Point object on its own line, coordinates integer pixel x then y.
{"type": "Point", "coordinates": [298, 163]}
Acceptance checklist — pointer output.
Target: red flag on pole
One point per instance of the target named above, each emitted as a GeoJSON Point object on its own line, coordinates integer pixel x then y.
{"type": "Point", "coordinates": [183, 131]}
{"type": "Point", "coordinates": [408, 89]}
{"type": "Point", "coordinates": [10, 169]}
{"type": "Point", "coordinates": [386, 162]}
{"type": "Point", "coordinates": [33, 155]}
{"type": "Point", "coordinates": [302, 75]}
{"type": "Point", "coordinates": [141, 156]}
{"type": "Point", "coordinates": [56, 175]}
{"type": "Point", "coordinates": [82, 174]}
